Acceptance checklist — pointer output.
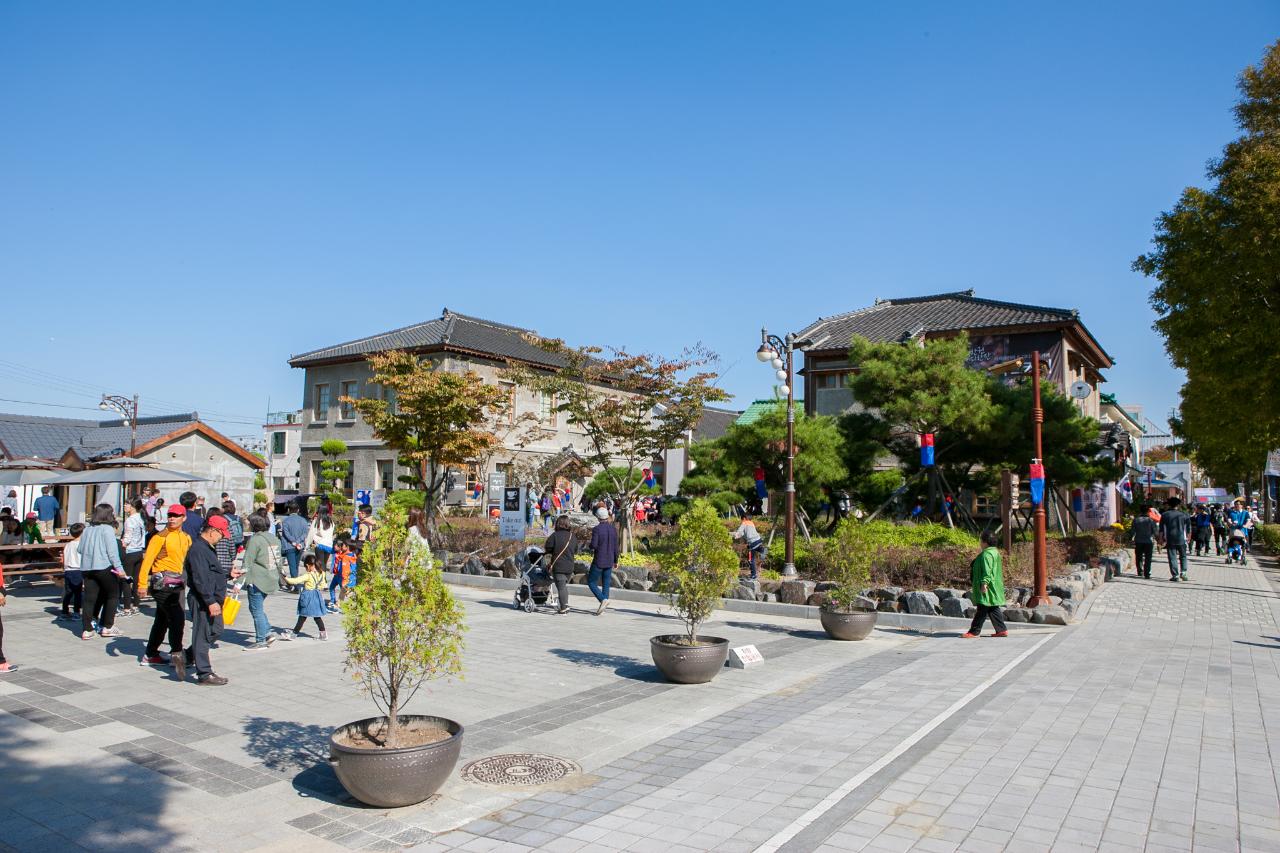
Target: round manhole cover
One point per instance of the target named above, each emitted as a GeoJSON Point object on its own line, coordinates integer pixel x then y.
{"type": "Point", "coordinates": [519, 768]}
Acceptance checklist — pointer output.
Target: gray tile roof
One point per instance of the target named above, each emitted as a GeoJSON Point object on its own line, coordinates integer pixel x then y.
{"type": "Point", "coordinates": [714, 423]}
{"type": "Point", "coordinates": [900, 319]}
{"type": "Point", "coordinates": [50, 438]}
{"type": "Point", "coordinates": [450, 331]}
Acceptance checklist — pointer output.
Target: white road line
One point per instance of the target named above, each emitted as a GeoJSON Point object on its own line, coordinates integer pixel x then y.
{"type": "Point", "coordinates": [798, 825]}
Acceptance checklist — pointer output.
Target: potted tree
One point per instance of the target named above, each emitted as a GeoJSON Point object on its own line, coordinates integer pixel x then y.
{"type": "Point", "coordinates": [849, 556]}
{"type": "Point", "coordinates": [403, 629]}
{"type": "Point", "coordinates": [700, 571]}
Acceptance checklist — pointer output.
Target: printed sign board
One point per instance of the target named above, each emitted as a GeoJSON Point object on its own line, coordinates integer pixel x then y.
{"type": "Point", "coordinates": [511, 523]}
{"type": "Point", "coordinates": [742, 657]}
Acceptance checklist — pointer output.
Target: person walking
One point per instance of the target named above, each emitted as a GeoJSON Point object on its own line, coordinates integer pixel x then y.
{"type": "Point", "coordinates": [262, 571]}
{"type": "Point", "coordinates": [986, 573]}
{"type": "Point", "coordinates": [5, 666]}
{"type": "Point", "coordinates": [293, 539]}
{"type": "Point", "coordinates": [417, 538]}
{"type": "Point", "coordinates": [234, 522]}
{"type": "Point", "coordinates": [310, 600]}
{"type": "Point", "coordinates": [206, 590]}
{"type": "Point", "coordinates": [1174, 524]}
{"type": "Point", "coordinates": [47, 508]}
{"type": "Point", "coordinates": [72, 577]}
{"type": "Point", "coordinates": [1219, 522]}
{"type": "Point", "coordinates": [162, 574]}
{"type": "Point", "coordinates": [192, 521]}
{"type": "Point", "coordinates": [1144, 545]}
{"type": "Point", "coordinates": [133, 538]}
{"type": "Point", "coordinates": [1201, 531]}
{"type": "Point", "coordinates": [755, 543]}
{"type": "Point", "coordinates": [320, 534]}
{"type": "Point", "coordinates": [102, 568]}
{"type": "Point", "coordinates": [604, 557]}
{"type": "Point", "coordinates": [561, 546]}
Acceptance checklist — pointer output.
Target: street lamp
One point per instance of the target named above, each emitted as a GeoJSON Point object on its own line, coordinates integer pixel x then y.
{"type": "Point", "coordinates": [779, 353]}
{"type": "Point", "coordinates": [128, 409]}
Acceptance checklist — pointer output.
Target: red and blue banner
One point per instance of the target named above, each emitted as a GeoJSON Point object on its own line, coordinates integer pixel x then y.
{"type": "Point", "coordinates": [926, 450]}
{"type": "Point", "coordinates": [1037, 483]}
{"type": "Point", "coordinates": [649, 481]}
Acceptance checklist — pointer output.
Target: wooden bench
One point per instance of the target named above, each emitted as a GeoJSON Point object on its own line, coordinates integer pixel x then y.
{"type": "Point", "coordinates": [49, 569]}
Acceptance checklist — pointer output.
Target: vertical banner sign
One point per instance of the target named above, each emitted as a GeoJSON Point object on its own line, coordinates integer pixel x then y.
{"type": "Point", "coordinates": [512, 523]}
{"type": "Point", "coordinates": [649, 480]}
{"type": "Point", "coordinates": [926, 449]}
{"type": "Point", "coordinates": [1037, 483]}
{"type": "Point", "coordinates": [497, 483]}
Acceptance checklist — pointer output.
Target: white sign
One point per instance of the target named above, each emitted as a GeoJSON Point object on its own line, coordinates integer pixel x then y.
{"type": "Point", "coordinates": [378, 499]}
{"type": "Point", "coordinates": [511, 523]}
{"type": "Point", "coordinates": [743, 657]}
{"type": "Point", "coordinates": [1081, 390]}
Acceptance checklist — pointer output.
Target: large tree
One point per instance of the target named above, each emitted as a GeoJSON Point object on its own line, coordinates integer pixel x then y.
{"type": "Point", "coordinates": [630, 408]}
{"type": "Point", "coordinates": [436, 420]}
{"type": "Point", "coordinates": [1216, 260]}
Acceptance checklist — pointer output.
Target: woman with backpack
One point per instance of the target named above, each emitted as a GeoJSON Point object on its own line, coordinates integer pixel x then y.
{"type": "Point", "coordinates": [262, 564]}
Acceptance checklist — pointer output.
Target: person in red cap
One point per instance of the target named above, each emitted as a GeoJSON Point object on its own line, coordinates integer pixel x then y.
{"type": "Point", "coordinates": [161, 574]}
{"type": "Point", "coordinates": [208, 588]}
{"type": "Point", "coordinates": [31, 530]}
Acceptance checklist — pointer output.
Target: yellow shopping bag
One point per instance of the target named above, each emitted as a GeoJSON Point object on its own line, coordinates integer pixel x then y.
{"type": "Point", "coordinates": [230, 607]}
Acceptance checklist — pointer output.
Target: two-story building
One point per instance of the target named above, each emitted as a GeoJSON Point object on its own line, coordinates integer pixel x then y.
{"type": "Point", "coordinates": [998, 332]}
{"type": "Point", "coordinates": [452, 342]}
{"type": "Point", "coordinates": [282, 441]}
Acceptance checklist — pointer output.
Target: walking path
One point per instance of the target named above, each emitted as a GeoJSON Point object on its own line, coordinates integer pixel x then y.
{"type": "Point", "coordinates": [1152, 725]}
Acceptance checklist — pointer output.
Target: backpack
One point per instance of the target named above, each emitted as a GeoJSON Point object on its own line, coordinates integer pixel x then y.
{"type": "Point", "coordinates": [237, 528]}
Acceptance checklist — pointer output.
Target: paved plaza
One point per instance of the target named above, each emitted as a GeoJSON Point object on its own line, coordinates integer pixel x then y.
{"type": "Point", "coordinates": [1154, 724]}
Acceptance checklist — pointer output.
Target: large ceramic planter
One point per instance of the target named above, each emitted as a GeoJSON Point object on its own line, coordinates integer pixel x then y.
{"type": "Point", "coordinates": [847, 625]}
{"type": "Point", "coordinates": [390, 778]}
{"type": "Point", "coordinates": [689, 664]}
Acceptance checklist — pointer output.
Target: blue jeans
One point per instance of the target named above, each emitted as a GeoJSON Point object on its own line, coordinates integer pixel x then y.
{"type": "Point", "coordinates": [291, 556]}
{"type": "Point", "coordinates": [261, 627]}
{"type": "Point", "coordinates": [593, 582]}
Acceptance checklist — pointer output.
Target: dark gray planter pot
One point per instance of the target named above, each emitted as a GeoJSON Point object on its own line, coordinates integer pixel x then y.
{"type": "Point", "coordinates": [688, 664]}
{"type": "Point", "coordinates": [390, 778]}
{"type": "Point", "coordinates": [851, 625]}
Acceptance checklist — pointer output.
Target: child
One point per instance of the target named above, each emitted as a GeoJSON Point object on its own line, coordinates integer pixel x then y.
{"type": "Point", "coordinates": [310, 602]}
{"type": "Point", "coordinates": [986, 572]}
{"type": "Point", "coordinates": [72, 579]}
{"type": "Point", "coordinates": [344, 573]}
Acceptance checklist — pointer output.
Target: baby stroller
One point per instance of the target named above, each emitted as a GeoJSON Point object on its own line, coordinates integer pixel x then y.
{"type": "Point", "coordinates": [1235, 545]}
{"type": "Point", "coordinates": [537, 588]}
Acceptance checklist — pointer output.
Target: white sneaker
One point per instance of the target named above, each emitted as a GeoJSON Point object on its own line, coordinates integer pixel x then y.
{"type": "Point", "coordinates": [110, 632]}
{"type": "Point", "coordinates": [87, 635]}
{"type": "Point", "coordinates": [604, 605]}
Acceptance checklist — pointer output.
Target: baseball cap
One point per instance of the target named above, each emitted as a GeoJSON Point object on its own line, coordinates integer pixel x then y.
{"type": "Point", "coordinates": [31, 516]}
{"type": "Point", "coordinates": [219, 524]}
{"type": "Point", "coordinates": [177, 510]}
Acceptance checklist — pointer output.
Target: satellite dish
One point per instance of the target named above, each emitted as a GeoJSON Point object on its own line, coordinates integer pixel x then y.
{"type": "Point", "coordinates": [1081, 390]}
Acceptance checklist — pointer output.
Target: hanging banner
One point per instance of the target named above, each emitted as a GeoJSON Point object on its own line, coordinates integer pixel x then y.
{"type": "Point", "coordinates": [1037, 483]}
{"type": "Point", "coordinates": [926, 450]}
{"type": "Point", "coordinates": [1125, 488]}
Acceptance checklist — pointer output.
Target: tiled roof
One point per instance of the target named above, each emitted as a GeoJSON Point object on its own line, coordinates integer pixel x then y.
{"type": "Point", "coordinates": [49, 438]}
{"type": "Point", "coordinates": [901, 319]}
{"type": "Point", "coordinates": [714, 423]}
{"type": "Point", "coordinates": [450, 331]}
{"type": "Point", "coordinates": [759, 407]}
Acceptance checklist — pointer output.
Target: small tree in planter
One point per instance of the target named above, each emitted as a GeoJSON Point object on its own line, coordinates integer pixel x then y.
{"type": "Point", "coordinates": [698, 572]}
{"type": "Point", "coordinates": [849, 553]}
{"type": "Point", "coordinates": [403, 629]}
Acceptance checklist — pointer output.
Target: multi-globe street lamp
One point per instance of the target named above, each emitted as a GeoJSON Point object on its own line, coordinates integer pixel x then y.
{"type": "Point", "coordinates": [128, 409]}
{"type": "Point", "coordinates": [779, 353]}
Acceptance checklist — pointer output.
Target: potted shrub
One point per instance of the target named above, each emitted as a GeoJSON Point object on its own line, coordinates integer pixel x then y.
{"type": "Point", "coordinates": [699, 571]}
{"type": "Point", "coordinates": [849, 554]}
{"type": "Point", "coordinates": [403, 629]}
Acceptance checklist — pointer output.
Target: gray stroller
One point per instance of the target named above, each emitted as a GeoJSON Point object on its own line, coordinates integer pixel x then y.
{"type": "Point", "coordinates": [537, 588]}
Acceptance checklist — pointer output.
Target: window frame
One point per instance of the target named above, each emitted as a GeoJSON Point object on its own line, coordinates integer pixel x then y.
{"type": "Point", "coordinates": [318, 412]}
{"type": "Point", "coordinates": [347, 411]}
{"type": "Point", "coordinates": [278, 437]}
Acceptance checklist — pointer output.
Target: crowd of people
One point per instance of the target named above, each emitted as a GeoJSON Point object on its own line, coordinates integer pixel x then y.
{"type": "Point", "coordinates": [1176, 531]}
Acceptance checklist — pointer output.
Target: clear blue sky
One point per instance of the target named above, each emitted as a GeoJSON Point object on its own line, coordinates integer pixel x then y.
{"type": "Point", "coordinates": [190, 193]}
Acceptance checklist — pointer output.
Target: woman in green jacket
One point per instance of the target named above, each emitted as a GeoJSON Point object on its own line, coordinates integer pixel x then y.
{"type": "Point", "coordinates": [986, 573]}
{"type": "Point", "coordinates": [262, 574]}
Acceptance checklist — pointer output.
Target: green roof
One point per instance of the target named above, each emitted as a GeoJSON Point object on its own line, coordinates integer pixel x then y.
{"type": "Point", "coordinates": [758, 407]}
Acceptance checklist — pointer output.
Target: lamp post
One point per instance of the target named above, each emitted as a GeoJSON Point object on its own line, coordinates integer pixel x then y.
{"type": "Point", "coordinates": [1040, 596]}
{"type": "Point", "coordinates": [128, 409]}
{"type": "Point", "coordinates": [779, 353]}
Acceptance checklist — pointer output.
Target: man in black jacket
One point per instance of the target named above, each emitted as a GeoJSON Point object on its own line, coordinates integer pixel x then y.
{"type": "Point", "coordinates": [207, 587]}
{"type": "Point", "coordinates": [1174, 524]}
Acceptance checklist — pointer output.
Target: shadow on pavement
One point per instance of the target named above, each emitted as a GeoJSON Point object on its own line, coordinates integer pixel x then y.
{"type": "Point", "coordinates": [623, 667]}
{"type": "Point", "coordinates": [299, 753]}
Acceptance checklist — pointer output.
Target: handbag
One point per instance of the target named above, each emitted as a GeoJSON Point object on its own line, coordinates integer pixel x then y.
{"type": "Point", "coordinates": [230, 607]}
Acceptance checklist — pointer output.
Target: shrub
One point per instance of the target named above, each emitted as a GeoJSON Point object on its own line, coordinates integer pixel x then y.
{"type": "Point", "coordinates": [1269, 534]}
{"type": "Point", "coordinates": [636, 560]}
{"type": "Point", "coordinates": [403, 626]}
{"type": "Point", "coordinates": [700, 569]}
{"type": "Point", "coordinates": [402, 500]}
{"type": "Point", "coordinates": [724, 502]}
{"type": "Point", "coordinates": [259, 498]}
{"type": "Point", "coordinates": [849, 553]}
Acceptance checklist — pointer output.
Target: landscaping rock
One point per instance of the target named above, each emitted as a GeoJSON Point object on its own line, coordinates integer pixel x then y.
{"type": "Point", "coordinates": [955, 606]}
{"type": "Point", "coordinates": [945, 592]}
{"type": "Point", "coordinates": [579, 578]}
{"type": "Point", "coordinates": [752, 585]}
{"type": "Point", "coordinates": [1050, 615]}
{"type": "Point", "coordinates": [865, 603]}
{"type": "Point", "coordinates": [795, 592]}
{"type": "Point", "coordinates": [636, 585]}
{"type": "Point", "coordinates": [494, 564]}
{"type": "Point", "coordinates": [1020, 594]}
{"type": "Point", "coordinates": [919, 603]}
{"type": "Point", "coordinates": [510, 568]}
{"type": "Point", "coordinates": [473, 566]}
{"type": "Point", "coordinates": [493, 573]}
{"type": "Point", "coordinates": [825, 586]}
{"type": "Point", "coordinates": [770, 586]}
{"type": "Point", "coordinates": [818, 599]}
{"type": "Point", "coordinates": [886, 593]}
{"type": "Point", "coordinates": [1017, 614]}
{"type": "Point", "coordinates": [742, 592]}
{"type": "Point", "coordinates": [1068, 589]}
{"type": "Point", "coordinates": [886, 606]}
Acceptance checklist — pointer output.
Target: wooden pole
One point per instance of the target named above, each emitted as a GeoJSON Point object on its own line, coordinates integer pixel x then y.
{"type": "Point", "coordinates": [1041, 595]}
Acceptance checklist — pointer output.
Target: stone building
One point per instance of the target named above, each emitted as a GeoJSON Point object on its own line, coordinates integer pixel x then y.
{"type": "Point", "coordinates": [452, 342]}
{"type": "Point", "coordinates": [282, 440]}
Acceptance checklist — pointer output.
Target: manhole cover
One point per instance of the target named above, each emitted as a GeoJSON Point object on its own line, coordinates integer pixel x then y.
{"type": "Point", "coordinates": [519, 768]}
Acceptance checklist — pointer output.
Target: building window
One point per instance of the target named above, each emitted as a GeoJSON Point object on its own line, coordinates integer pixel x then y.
{"type": "Point", "coordinates": [475, 481]}
{"type": "Point", "coordinates": [321, 410]}
{"type": "Point", "coordinates": [277, 484]}
{"type": "Point", "coordinates": [277, 443]}
{"type": "Point", "coordinates": [387, 474]}
{"type": "Point", "coordinates": [389, 397]}
{"type": "Point", "coordinates": [348, 389]}
{"type": "Point", "coordinates": [547, 408]}
{"type": "Point", "coordinates": [509, 390]}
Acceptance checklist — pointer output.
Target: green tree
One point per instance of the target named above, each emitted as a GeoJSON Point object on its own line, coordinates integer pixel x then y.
{"type": "Point", "coordinates": [1216, 261]}
{"type": "Point", "coordinates": [605, 483]}
{"type": "Point", "coordinates": [437, 420]}
{"type": "Point", "coordinates": [333, 472]}
{"type": "Point", "coordinates": [849, 554]}
{"type": "Point", "coordinates": [700, 569]}
{"type": "Point", "coordinates": [403, 627]}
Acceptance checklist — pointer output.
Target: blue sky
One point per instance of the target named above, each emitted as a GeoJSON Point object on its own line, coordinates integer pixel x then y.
{"type": "Point", "coordinates": [190, 193]}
